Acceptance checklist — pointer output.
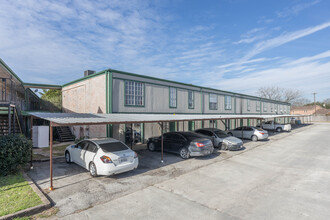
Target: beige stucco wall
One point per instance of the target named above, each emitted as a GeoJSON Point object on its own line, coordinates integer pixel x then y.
{"type": "Point", "coordinates": [86, 96]}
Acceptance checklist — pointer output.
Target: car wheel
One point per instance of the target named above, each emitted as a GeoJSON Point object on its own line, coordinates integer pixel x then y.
{"type": "Point", "coordinates": [231, 134]}
{"type": "Point", "coordinates": [278, 129]}
{"type": "Point", "coordinates": [254, 138]}
{"type": "Point", "coordinates": [92, 169]}
{"type": "Point", "coordinates": [151, 146]}
{"type": "Point", "coordinates": [184, 153]}
{"type": "Point", "coordinates": [222, 146]}
{"type": "Point", "coordinates": [67, 157]}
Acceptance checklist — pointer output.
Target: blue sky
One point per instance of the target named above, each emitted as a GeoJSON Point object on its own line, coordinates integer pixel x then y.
{"type": "Point", "coordinates": [235, 45]}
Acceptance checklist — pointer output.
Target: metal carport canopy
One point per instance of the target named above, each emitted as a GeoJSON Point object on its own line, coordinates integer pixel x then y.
{"type": "Point", "coordinates": [71, 119]}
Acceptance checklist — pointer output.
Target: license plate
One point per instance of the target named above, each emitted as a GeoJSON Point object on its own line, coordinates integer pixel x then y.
{"type": "Point", "coordinates": [123, 159]}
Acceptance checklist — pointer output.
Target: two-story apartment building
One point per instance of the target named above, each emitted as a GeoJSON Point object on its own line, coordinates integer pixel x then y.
{"type": "Point", "coordinates": [113, 91]}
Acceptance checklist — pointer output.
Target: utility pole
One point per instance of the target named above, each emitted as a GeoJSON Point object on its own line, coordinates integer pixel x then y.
{"type": "Point", "coordinates": [314, 93]}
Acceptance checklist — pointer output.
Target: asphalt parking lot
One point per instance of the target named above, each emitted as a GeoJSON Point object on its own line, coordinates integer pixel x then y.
{"type": "Point", "coordinates": [285, 177]}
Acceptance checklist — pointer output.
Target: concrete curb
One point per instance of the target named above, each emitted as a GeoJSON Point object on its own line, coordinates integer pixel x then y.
{"type": "Point", "coordinates": [46, 204]}
{"type": "Point", "coordinates": [47, 159]}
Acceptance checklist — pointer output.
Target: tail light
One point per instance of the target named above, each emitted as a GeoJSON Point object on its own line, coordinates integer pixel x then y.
{"type": "Point", "coordinates": [200, 144]}
{"type": "Point", "coordinates": [135, 155]}
{"type": "Point", "coordinates": [261, 133]}
{"type": "Point", "coordinates": [106, 159]}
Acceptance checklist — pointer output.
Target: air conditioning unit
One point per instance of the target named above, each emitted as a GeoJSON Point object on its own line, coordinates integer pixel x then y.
{"type": "Point", "coordinates": [88, 72]}
{"type": "Point", "coordinates": [40, 136]}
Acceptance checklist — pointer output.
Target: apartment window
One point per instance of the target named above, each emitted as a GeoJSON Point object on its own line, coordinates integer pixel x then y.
{"type": "Point", "coordinates": [271, 107]}
{"type": "Point", "coordinates": [173, 97]}
{"type": "Point", "coordinates": [213, 102]}
{"type": "Point", "coordinates": [227, 102]}
{"type": "Point", "coordinates": [134, 93]}
{"type": "Point", "coordinates": [248, 104]}
{"type": "Point", "coordinates": [265, 107]}
{"type": "Point", "coordinates": [258, 106]}
{"type": "Point", "coordinates": [191, 99]}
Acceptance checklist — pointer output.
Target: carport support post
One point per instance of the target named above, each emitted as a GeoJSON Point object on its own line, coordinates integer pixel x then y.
{"type": "Point", "coordinates": [132, 136]}
{"type": "Point", "coordinates": [242, 131]}
{"type": "Point", "coordinates": [162, 142]}
{"type": "Point", "coordinates": [51, 155]}
{"type": "Point", "coordinates": [224, 125]}
{"type": "Point", "coordinates": [31, 132]}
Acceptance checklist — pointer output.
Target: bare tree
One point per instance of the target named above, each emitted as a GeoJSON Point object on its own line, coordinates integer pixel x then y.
{"type": "Point", "coordinates": [279, 94]}
{"type": "Point", "coordinates": [290, 95]}
{"type": "Point", "coordinates": [270, 93]}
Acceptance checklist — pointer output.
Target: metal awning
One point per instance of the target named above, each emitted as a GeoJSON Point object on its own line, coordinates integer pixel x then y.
{"type": "Point", "coordinates": [71, 119]}
{"type": "Point", "coordinates": [66, 119]}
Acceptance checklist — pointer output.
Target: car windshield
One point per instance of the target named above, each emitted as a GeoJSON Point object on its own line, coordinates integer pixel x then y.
{"type": "Point", "coordinates": [259, 129]}
{"type": "Point", "coordinates": [221, 134]}
{"type": "Point", "coordinates": [113, 147]}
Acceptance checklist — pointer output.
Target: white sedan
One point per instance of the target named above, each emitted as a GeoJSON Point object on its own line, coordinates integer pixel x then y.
{"type": "Point", "coordinates": [104, 156]}
{"type": "Point", "coordinates": [249, 132]}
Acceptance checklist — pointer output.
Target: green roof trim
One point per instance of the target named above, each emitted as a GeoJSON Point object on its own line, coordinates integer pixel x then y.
{"type": "Point", "coordinates": [39, 85]}
{"type": "Point", "coordinates": [10, 70]}
{"type": "Point", "coordinates": [85, 78]}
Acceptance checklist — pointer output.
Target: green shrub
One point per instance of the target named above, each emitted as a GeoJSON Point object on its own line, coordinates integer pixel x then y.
{"type": "Point", "coordinates": [15, 152]}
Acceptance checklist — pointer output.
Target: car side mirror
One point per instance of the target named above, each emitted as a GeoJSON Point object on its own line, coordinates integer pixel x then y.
{"type": "Point", "coordinates": [73, 146]}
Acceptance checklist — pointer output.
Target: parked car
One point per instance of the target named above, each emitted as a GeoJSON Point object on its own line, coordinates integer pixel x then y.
{"type": "Point", "coordinates": [106, 156]}
{"type": "Point", "coordinates": [185, 144]}
{"type": "Point", "coordinates": [249, 132]}
{"type": "Point", "coordinates": [221, 139]}
{"type": "Point", "coordinates": [128, 136]}
{"type": "Point", "coordinates": [271, 125]}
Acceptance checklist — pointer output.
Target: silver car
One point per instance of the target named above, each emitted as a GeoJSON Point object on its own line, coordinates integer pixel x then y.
{"type": "Point", "coordinates": [221, 139]}
{"type": "Point", "coordinates": [249, 132]}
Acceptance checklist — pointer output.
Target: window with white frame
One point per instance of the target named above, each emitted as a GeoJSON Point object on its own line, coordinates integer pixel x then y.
{"type": "Point", "coordinates": [191, 99]}
{"type": "Point", "coordinates": [258, 106]}
{"type": "Point", "coordinates": [213, 102]}
{"type": "Point", "coordinates": [227, 102]}
{"type": "Point", "coordinates": [271, 107]}
{"type": "Point", "coordinates": [173, 97]}
{"type": "Point", "coordinates": [134, 93]}
{"type": "Point", "coordinates": [265, 107]}
{"type": "Point", "coordinates": [248, 103]}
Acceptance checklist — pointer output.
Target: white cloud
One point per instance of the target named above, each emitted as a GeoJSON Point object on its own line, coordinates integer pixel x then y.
{"type": "Point", "coordinates": [251, 36]}
{"type": "Point", "coordinates": [283, 39]}
{"type": "Point", "coordinates": [54, 38]}
{"type": "Point", "coordinates": [307, 74]}
{"type": "Point", "coordinates": [247, 62]}
{"type": "Point", "coordinates": [296, 9]}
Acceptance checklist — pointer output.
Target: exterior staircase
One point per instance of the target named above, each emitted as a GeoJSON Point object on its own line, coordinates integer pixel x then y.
{"type": "Point", "coordinates": [64, 134]}
{"type": "Point", "coordinates": [4, 126]}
